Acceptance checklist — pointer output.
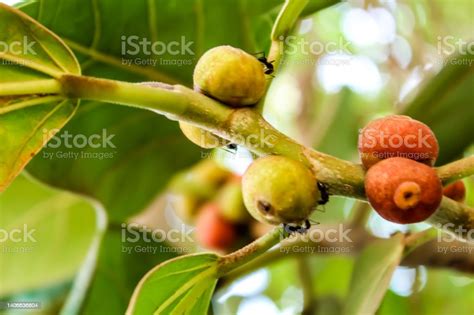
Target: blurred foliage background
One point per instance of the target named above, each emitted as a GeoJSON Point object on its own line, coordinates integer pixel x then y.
{"type": "Point", "coordinates": [343, 66]}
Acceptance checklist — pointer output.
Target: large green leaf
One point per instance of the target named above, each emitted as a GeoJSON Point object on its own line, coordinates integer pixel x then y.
{"type": "Point", "coordinates": [107, 25]}
{"type": "Point", "coordinates": [180, 286]}
{"type": "Point", "coordinates": [30, 60]}
{"type": "Point", "coordinates": [61, 229]}
{"type": "Point", "coordinates": [120, 266]}
{"type": "Point", "coordinates": [148, 147]}
{"type": "Point", "coordinates": [445, 104]}
{"type": "Point", "coordinates": [444, 292]}
{"type": "Point", "coordinates": [144, 152]}
{"type": "Point", "coordinates": [371, 276]}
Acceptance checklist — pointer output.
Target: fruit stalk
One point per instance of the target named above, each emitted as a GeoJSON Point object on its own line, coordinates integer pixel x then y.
{"type": "Point", "coordinates": [456, 170]}
{"type": "Point", "coordinates": [244, 255]}
{"type": "Point", "coordinates": [422, 251]}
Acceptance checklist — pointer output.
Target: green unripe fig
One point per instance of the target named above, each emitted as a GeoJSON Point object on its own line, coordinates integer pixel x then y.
{"type": "Point", "coordinates": [201, 137]}
{"type": "Point", "coordinates": [277, 190]}
{"type": "Point", "coordinates": [201, 181]}
{"type": "Point", "coordinates": [185, 206]}
{"type": "Point", "coordinates": [230, 75]}
{"type": "Point", "coordinates": [231, 203]}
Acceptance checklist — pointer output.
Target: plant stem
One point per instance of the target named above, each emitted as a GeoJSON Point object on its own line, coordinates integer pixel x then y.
{"type": "Point", "coordinates": [421, 249]}
{"type": "Point", "coordinates": [456, 170]}
{"type": "Point", "coordinates": [287, 17]}
{"type": "Point", "coordinates": [285, 21]}
{"type": "Point", "coordinates": [274, 56]}
{"type": "Point", "coordinates": [246, 127]}
{"type": "Point", "coordinates": [454, 217]}
{"type": "Point", "coordinates": [45, 86]}
{"type": "Point", "coordinates": [415, 240]}
{"type": "Point", "coordinates": [242, 256]}
{"type": "Point", "coordinates": [360, 213]}
{"type": "Point", "coordinates": [304, 272]}
{"type": "Point", "coordinates": [241, 126]}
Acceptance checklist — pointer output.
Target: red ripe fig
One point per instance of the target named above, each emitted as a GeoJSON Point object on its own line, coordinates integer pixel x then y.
{"type": "Point", "coordinates": [402, 190]}
{"type": "Point", "coordinates": [455, 191]}
{"type": "Point", "coordinates": [397, 136]}
{"type": "Point", "coordinates": [212, 230]}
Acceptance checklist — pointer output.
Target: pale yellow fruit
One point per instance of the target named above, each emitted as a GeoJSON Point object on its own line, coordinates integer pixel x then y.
{"type": "Point", "coordinates": [230, 75]}
{"type": "Point", "coordinates": [201, 137]}
{"type": "Point", "coordinates": [278, 189]}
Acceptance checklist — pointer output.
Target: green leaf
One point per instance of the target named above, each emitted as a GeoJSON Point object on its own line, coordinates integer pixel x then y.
{"type": "Point", "coordinates": [445, 104]}
{"type": "Point", "coordinates": [144, 152]}
{"type": "Point", "coordinates": [314, 6]}
{"type": "Point", "coordinates": [182, 285]}
{"type": "Point", "coordinates": [287, 18]}
{"type": "Point", "coordinates": [105, 24]}
{"type": "Point", "coordinates": [33, 59]}
{"type": "Point", "coordinates": [120, 266]}
{"type": "Point", "coordinates": [149, 148]}
{"type": "Point", "coordinates": [61, 229]}
{"type": "Point", "coordinates": [372, 273]}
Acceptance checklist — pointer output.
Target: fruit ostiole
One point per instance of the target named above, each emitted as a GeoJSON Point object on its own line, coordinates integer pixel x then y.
{"type": "Point", "coordinates": [402, 190]}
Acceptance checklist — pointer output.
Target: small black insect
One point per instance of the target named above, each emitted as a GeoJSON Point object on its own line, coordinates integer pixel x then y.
{"type": "Point", "coordinates": [231, 148]}
{"type": "Point", "coordinates": [293, 229]}
{"type": "Point", "coordinates": [268, 64]}
{"type": "Point", "coordinates": [324, 194]}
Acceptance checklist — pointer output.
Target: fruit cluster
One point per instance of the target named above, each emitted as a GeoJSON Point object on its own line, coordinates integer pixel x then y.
{"type": "Point", "coordinates": [400, 183]}
{"type": "Point", "coordinates": [231, 76]}
{"type": "Point", "coordinates": [210, 197]}
{"type": "Point", "coordinates": [275, 189]}
{"type": "Point", "coordinates": [397, 151]}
